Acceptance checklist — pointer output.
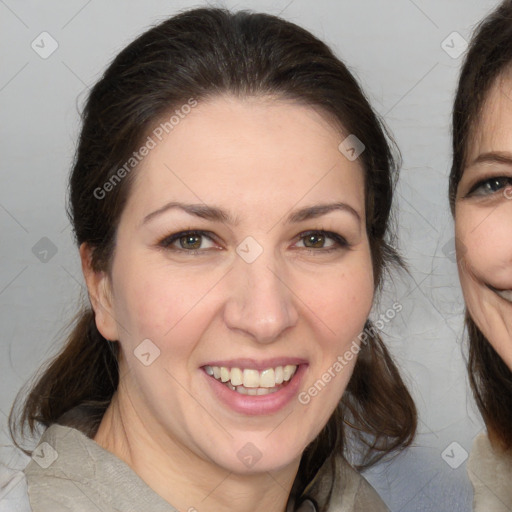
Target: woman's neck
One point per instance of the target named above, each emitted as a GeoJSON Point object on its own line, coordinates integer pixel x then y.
{"type": "Point", "coordinates": [197, 485]}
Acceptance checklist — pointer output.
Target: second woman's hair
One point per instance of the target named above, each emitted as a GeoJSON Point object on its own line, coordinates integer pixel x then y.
{"type": "Point", "coordinates": [488, 57]}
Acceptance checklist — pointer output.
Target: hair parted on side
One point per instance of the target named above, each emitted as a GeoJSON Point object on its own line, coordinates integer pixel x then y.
{"type": "Point", "coordinates": [489, 56]}
{"type": "Point", "coordinates": [200, 54]}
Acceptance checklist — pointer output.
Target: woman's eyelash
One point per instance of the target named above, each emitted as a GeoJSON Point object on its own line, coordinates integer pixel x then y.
{"type": "Point", "coordinates": [167, 241]}
{"type": "Point", "coordinates": [490, 186]}
{"type": "Point", "coordinates": [340, 241]}
{"type": "Point", "coordinates": [315, 236]}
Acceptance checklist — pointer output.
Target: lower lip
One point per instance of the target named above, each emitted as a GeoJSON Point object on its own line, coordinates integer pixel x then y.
{"type": "Point", "coordinates": [258, 404]}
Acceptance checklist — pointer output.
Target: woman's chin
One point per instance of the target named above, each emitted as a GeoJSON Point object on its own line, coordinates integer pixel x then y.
{"type": "Point", "coordinates": [258, 455]}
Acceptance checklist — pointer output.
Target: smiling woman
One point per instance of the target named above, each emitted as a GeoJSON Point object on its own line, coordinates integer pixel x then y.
{"type": "Point", "coordinates": [480, 196]}
{"type": "Point", "coordinates": [228, 273]}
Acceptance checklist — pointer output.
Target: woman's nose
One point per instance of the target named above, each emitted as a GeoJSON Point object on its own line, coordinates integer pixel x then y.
{"type": "Point", "coordinates": [261, 303]}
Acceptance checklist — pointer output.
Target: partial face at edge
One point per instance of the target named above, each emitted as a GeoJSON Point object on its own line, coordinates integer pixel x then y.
{"type": "Point", "coordinates": [265, 264]}
{"type": "Point", "coordinates": [483, 221]}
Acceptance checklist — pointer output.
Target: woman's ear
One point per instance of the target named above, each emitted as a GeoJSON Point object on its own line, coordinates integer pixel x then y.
{"type": "Point", "coordinates": [100, 295]}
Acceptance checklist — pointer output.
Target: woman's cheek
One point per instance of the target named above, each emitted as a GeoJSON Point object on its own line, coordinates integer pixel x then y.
{"type": "Point", "coordinates": [151, 296]}
{"type": "Point", "coordinates": [348, 303]}
{"type": "Point", "coordinates": [498, 236]}
{"type": "Point", "coordinates": [485, 243]}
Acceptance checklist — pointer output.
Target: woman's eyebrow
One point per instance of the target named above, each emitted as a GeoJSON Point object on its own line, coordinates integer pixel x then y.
{"type": "Point", "coordinates": [219, 215]}
{"type": "Point", "coordinates": [312, 212]}
{"type": "Point", "coordinates": [199, 210]}
{"type": "Point", "coordinates": [493, 157]}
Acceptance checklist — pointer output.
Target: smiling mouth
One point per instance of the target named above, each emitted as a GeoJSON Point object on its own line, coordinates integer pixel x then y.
{"type": "Point", "coordinates": [504, 294]}
{"type": "Point", "coordinates": [248, 381]}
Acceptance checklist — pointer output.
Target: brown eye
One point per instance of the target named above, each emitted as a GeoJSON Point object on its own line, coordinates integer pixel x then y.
{"type": "Point", "coordinates": [191, 242]}
{"type": "Point", "coordinates": [324, 241]}
{"type": "Point", "coordinates": [314, 240]}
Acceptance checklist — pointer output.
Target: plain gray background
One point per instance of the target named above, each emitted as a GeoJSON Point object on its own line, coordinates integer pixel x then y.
{"type": "Point", "coordinates": [396, 49]}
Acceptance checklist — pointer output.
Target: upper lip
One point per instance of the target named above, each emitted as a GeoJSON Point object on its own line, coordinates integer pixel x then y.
{"type": "Point", "coordinates": [255, 364]}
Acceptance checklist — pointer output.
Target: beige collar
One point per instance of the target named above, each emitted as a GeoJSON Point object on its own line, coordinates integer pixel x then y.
{"type": "Point", "coordinates": [71, 469]}
{"type": "Point", "coordinates": [490, 472]}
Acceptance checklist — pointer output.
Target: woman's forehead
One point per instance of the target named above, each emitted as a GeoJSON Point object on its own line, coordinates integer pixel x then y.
{"type": "Point", "coordinates": [261, 152]}
{"type": "Point", "coordinates": [492, 130]}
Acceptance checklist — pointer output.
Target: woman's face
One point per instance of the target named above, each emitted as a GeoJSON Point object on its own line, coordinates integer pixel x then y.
{"type": "Point", "coordinates": [242, 256]}
{"type": "Point", "coordinates": [483, 222]}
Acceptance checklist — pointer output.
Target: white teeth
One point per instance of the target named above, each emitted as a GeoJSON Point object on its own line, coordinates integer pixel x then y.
{"type": "Point", "coordinates": [288, 371]}
{"type": "Point", "coordinates": [267, 378]}
{"type": "Point", "coordinates": [242, 390]}
{"type": "Point", "coordinates": [236, 376]}
{"type": "Point", "coordinates": [279, 375]}
{"type": "Point", "coordinates": [251, 381]}
{"type": "Point", "coordinates": [251, 378]}
{"type": "Point", "coordinates": [505, 294]}
{"type": "Point", "coordinates": [224, 374]}
{"type": "Point", "coordinates": [255, 391]}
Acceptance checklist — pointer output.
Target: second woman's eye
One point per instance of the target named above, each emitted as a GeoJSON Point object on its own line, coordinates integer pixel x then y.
{"type": "Point", "coordinates": [490, 186]}
{"type": "Point", "coordinates": [321, 240]}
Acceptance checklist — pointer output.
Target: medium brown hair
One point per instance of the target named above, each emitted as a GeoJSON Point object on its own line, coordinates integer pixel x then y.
{"type": "Point", "coordinates": [202, 53]}
{"type": "Point", "coordinates": [488, 57]}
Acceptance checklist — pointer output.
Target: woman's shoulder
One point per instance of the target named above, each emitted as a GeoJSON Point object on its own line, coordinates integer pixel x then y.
{"type": "Point", "coordinates": [69, 471]}
{"type": "Point", "coordinates": [359, 494]}
{"type": "Point", "coordinates": [349, 492]}
{"type": "Point", "coordinates": [13, 490]}
{"type": "Point", "coordinates": [490, 472]}
{"type": "Point", "coordinates": [65, 451]}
